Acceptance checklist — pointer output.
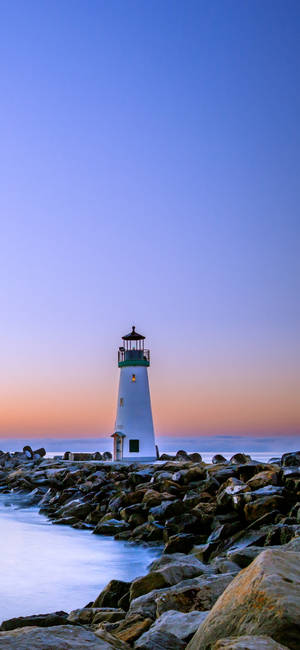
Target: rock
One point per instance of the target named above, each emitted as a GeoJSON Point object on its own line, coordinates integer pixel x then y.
{"type": "Point", "coordinates": [240, 459]}
{"type": "Point", "coordinates": [107, 455]}
{"type": "Point", "coordinates": [109, 615]}
{"type": "Point", "coordinates": [88, 615]}
{"type": "Point", "coordinates": [195, 457]}
{"type": "Point", "coordinates": [268, 477]}
{"type": "Point", "coordinates": [74, 508]}
{"type": "Point", "coordinates": [59, 637]}
{"type": "Point", "coordinates": [180, 560]}
{"type": "Point", "coordinates": [262, 599]}
{"type": "Point", "coordinates": [182, 455]}
{"type": "Point", "coordinates": [28, 451]}
{"type": "Point", "coordinates": [39, 452]}
{"type": "Point", "coordinates": [168, 574]}
{"type": "Point", "coordinates": [37, 620]}
{"type": "Point", "coordinates": [248, 643]}
{"type": "Point", "coordinates": [228, 493]}
{"type": "Point", "coordinates": [132, 627]}
{"type": "Point", "coordinates": [182, 625]}
{"type": "Point", "coordinates": [245, 556]}
{"type": "Point", "coordinates": [221, 565]}
{"type": "Point", "coordinates": [218, 459]}
{"type": "Point", "coordinates": [256, 509]}
{"type": "Point", "coordinates": [195, 594]}
{"type": "Point", "coordinates": [158, 640]}
{"type": "Point", "coordinates": [111, 527]}
{"type": "Point", "coordinates": [181, 543]}
{"type": "Point", "coordinates": [290, 459]}
{"type": "Point", "coordinates": [111, 594]}
{"type": "Point", "coordinates": [166, 509]}
{"type": "Point", "coordinates": [149, 582]}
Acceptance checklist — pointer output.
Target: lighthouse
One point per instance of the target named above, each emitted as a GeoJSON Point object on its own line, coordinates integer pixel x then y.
{"type": "Point", "coordinates": [134, 432]}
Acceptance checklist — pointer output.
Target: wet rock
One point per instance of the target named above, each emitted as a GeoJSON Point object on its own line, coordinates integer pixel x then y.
{"type": "Point", "coordinates": [27, 451]}
{"type": "Point", "coordinates": [75, 508]}
{"type": "Point", "coordinates": [195, 594]}
{"type": "Point", "coordinates": [262, 479]}
{"type": "Point", "coordinates": [111, 527]}
{"type": "Point", "coordinates": [256, 509]}
{"type": "Point", "coordinates": [159, 640]}
{"type": "Point", "coordinates": [245, 556]}
{"type": "Point", "coordinates": [248, 643]}
{"type": "Point", "coordinates": [239, 459]}
{"type": "Point", "coordinates": [182, 455]}
{"type": "Point", "coordinates": [39, 452]}
{"type": "Point", "coordinates": [149, 582]}
{"type": "Point", "coordinates": [88, 615]}
{"type": "Point", "coordinates": [218, 459]}
{"type": "Point", "coordinates": [166, 509]}
{"type": "Point", "coordinates": [107, 455]}
{"type": "Point", "coordinates": [111, 594]}
{"type": "Point", "coordinates": [195, 457]}
{"type": "Point", "coordinates": [109, 615]}
{"type": "Point", "coordinates": [60, 637]}
{"type": "Point", "coordinates": [110, 640]}
{"type": "Point", "coordinates": [291, 459]}
{"type": "Point", "coordinates": [166, 575]}
{"type": "Point", "coordinates": [182, 625]}
{"type": "Point", "coordinates": [179, 559]}
{"type": "Point", "coordinates": [181, 543]}
{"type": "Point", "coordinates": [264, 598]}
{"type": "Point", "coordinates": [228, 493]}
{"type": "Point", "coordinates": [132, 628]}
{"type": "Point", "coordinates": [37, 620]}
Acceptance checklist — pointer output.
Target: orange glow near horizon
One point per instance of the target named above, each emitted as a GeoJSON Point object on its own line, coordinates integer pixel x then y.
{"type": "Point", "coordinates": [182, 405]}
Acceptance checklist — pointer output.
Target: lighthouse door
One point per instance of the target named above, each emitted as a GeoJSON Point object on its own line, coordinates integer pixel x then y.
{"type": "Point", "coordinates": [118, 447]}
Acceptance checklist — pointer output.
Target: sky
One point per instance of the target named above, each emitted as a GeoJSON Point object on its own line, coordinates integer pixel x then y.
{"type": "Point", "coordinates": [149, 175]}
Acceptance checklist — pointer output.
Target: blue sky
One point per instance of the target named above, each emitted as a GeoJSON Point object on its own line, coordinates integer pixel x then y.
{"type": "Point", "coordinates": [150, 174]}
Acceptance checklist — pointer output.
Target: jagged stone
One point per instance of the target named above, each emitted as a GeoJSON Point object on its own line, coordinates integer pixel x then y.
{"type": "Point", "coordinates": [262, 599]}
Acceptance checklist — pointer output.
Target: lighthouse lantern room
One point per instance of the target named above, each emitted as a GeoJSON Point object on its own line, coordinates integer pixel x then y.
{"type": "Point", "coordinates": [134, 432]}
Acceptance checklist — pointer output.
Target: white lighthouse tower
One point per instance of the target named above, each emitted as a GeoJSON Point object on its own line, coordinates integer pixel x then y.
{"type": "Point", "coordinates": [134, 433]}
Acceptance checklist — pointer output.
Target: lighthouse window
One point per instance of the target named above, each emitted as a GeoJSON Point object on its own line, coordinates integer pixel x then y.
{"type": "Point", "coordinates": [121, 401]}
{"type": "Point", "coordinates": [133, 378]}
{"type": "Point", "coordinates": [134, 445]}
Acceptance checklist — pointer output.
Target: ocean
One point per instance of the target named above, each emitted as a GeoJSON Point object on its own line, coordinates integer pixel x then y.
{"type": "Point", "coordinates": [258, 447]}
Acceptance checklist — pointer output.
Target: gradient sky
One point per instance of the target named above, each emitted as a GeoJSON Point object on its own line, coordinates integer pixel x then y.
{"type": "Point", "coordinates": [150, 175]}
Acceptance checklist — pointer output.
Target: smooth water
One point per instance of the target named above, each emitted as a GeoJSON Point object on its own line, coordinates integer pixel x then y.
{"type": "Point", "coordinates": [46, 567]}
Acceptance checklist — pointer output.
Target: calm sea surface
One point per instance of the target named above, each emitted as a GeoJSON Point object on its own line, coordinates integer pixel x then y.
{"type": "Point", "coordinates": [44, 567]}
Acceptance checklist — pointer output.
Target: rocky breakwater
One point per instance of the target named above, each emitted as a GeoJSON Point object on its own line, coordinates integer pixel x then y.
{"type": "Point", "coordinates": [228, 577]}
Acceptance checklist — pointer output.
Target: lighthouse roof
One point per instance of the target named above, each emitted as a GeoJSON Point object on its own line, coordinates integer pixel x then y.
{"type": "Point", "coordinates": [133, 336]}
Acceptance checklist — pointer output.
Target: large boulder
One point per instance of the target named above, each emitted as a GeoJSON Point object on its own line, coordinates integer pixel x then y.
{"type": "Point", "coordinates": [291, 459]}
{"type": "Point", "coordinates": [256, 509]}
{"type": "Point", "coordinates": [182, 624]}
{"type": "Point", "coordinates": [262, 599]}
{"type": "Point", "coordinates": [111, 527]}
{"type": "Point", "coordinates": [132, 628]}
{"type": "Point", "coordinates": [37, 620]}
{"type": "Point", "coordinates": [60, 637]}
{"type": "Point", "coordinates": [112, 593]}
{"type": "Point", "coordinates": [158, 640]}
{"type": "Point", "coordinates": [248, 643]}
{"type": "Point", "coordinates": [195, 594]}
{"type": "Point", "coordinates": [167, 574]}
{"type": "Point", "coordinates": [267, 477]}
{"type": "Point", "coordinates": [88, 615]}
